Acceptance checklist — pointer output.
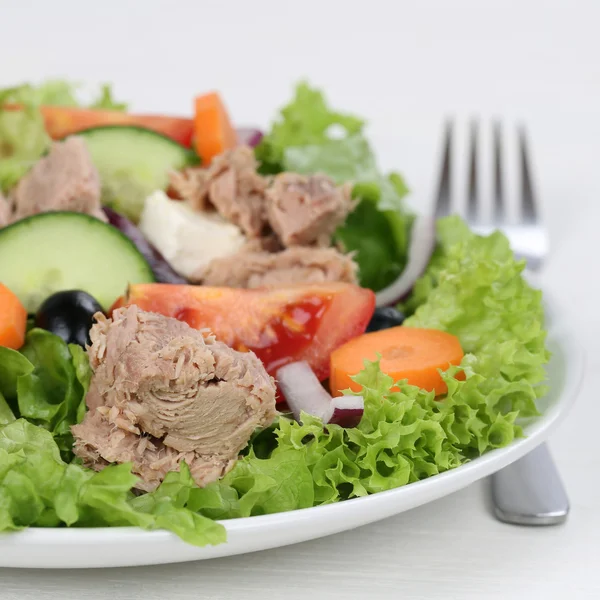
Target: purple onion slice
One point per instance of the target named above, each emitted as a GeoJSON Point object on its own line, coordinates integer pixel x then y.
{"type": "Point", "coordinates": [249, 136]}
{"type": "Point", "coordinates": [422, 245]}
{"type": "Point", "coordinates": [163, 271]}
{"type": "Point", "coordinates": [304, 392]}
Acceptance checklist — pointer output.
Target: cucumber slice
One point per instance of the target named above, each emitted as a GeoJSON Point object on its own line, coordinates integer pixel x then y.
{"type": "Point", "coordinates": [57, 251]}
{"type": "Point", "coordinates": [133, 162]}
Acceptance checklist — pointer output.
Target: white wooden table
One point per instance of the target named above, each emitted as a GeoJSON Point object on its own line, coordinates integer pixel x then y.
{"type": "Point", "coordinates": [404, 65]}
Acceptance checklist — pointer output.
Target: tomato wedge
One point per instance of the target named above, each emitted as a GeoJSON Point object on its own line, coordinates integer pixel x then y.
{"type": "Point", "coordinates": [61, 121]}
{"type": "Point", "coordinates": [283, 325]}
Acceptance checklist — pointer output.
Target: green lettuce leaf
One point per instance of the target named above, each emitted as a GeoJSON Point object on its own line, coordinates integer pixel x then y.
{"type": "Point", "coordinates": [6, 413]}
{"type": "Point", "coordinates": [347, 159]}
{"type": "Point", "coordinates": [23, 138]}
{"type": "Point", "coordinates": [83, 373]}
{"type": "Point", "coordinates": [52, 92]}
{"type": "Point", "coordinates": [171, 507]}
{"type": "Point", "coordinates": [51, 395]}
{"type": "Point", "coordinates": [302, 141]}
{"type": "Point", "coordinates": [306, 121]}
{"type": "Point", "coordinates": [37, 488]}
{"type": "Point", "coordinates": [106, 101]}
{"type": "Point", "coordinates": [378, 237]}
{"type": "Point", "coordinates": [57, 92]}
{"type": "Point", "coordinates": [45, 382]}
{"type": "Point", "coordinates": [31, 474]}
{"type": "Point", "coordinates": [12, 366]}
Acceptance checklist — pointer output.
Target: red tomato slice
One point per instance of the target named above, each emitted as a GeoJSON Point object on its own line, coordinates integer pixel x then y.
{"type": "Point", "coordinates": [61, 121]}
{"type": "Point", "coordinates": [283, 325]}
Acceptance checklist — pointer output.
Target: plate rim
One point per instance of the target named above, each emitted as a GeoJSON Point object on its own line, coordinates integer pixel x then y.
{"type": "Point", "coordinates": [478, 468]}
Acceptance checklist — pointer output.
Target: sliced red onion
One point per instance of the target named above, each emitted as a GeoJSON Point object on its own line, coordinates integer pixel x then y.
{"type": "Point", "coordinates": [249, 136]}
{"type": "Point", "coordinates": [304, 392]}
{"type": "Point", "coordinates": [422, 245]}
{"type": "Point", "coordinates": [163, 271]}
{"type": "Point", "coordinates": [347, 410]}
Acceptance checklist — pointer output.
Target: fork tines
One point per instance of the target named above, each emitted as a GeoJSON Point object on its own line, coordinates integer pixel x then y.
{"type": "Point", "coordinates": [486, 175]}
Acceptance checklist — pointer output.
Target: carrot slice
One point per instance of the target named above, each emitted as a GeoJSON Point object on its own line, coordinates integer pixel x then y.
{"type": "Point", "coordinates": [213, 130]}
{"type": "Point", "coordinates": [406, 353]}
{"type": "Point", "coordinates": [13, 319]}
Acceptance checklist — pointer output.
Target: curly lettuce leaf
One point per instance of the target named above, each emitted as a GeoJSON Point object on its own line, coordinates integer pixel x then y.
{"type": "Point", "coordinates": [280, 483]}
{"type": "Point", "coordinates": [306, 121]}
{"type": "Point", "coordinates": [474, 289]}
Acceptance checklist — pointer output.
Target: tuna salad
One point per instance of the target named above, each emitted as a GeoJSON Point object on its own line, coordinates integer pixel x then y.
{"type": "Point", "coordinates": [201, 323]}
{"type": "Point", "coordinates": [287, 211]}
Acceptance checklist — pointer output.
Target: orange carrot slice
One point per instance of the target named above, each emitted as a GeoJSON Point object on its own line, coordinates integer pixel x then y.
{"type": "Point", "coordinates": [406, 353]}
{"type": "Point", "coordinates": [13, 319]}
{"type": "Point", "coordinates": [213, 130]}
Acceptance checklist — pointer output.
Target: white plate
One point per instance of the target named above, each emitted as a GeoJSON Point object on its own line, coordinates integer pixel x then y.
{"type": "Point", "coordinates": [129, 546]}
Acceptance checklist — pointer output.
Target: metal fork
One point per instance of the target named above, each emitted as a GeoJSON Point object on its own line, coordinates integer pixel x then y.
{"type": "Point", "coordinates": [486, 178]}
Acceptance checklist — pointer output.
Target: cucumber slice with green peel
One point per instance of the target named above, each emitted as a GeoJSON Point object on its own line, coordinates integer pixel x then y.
{"type": "Point", "coordinates": [57, 251]}
{"type": "Point", "coordinates": [133, 162]}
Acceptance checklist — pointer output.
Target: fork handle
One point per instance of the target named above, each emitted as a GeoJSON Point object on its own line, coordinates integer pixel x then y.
{"type": "Point", "coordinates": [530, 491]}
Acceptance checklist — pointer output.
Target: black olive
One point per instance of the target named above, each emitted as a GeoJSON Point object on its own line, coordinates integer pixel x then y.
{"type": "Point", "coordinates": [384, 318]}
{"type": "Point", "coordinates": [69, 315]}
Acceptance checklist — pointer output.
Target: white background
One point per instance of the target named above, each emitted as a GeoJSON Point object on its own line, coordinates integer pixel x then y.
{"type": "Point", "coordinates": [405, 66]}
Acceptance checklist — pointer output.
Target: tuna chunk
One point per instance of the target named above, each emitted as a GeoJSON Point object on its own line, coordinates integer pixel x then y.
{"type": "Point", "coordinates": [5, 211]}
{"type": "Point", "coordinates": [302, 211]}
{"type": "Point", "coordinates": [65, 179]}
{"type": "Point", "coordinates": [306, 210]}
{"type": "Point", "coordinates": [163, 392]}
{"type": "Point", "coordinates": [294, 265]}
{"type": "Point", "coordinates": [231, 185]}
{"type": "Point", "coordinates": [102, 441]}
